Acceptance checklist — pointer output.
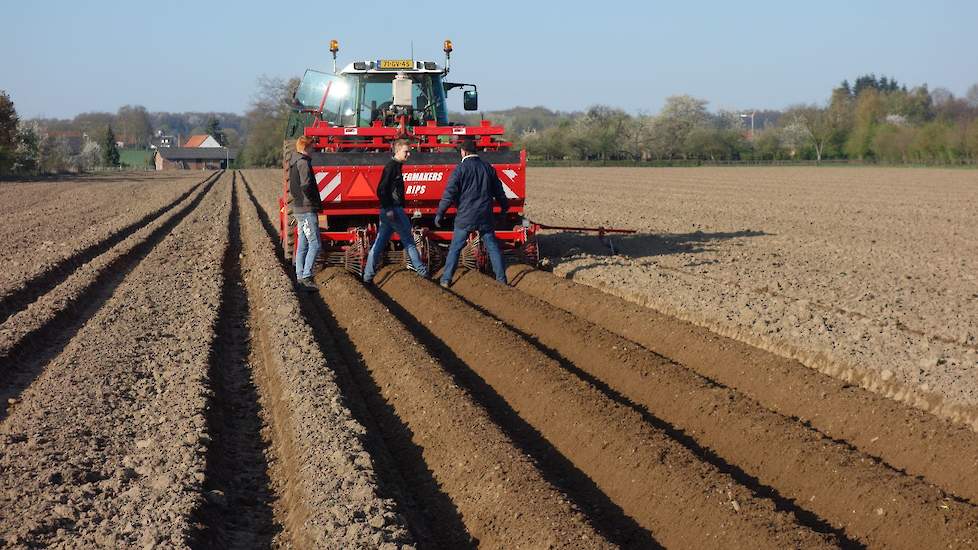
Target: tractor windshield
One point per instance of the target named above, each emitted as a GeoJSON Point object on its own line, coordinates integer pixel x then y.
{"type": "Point", "coordinates": [359, 99]}
{"type": "Point", "coordinates": [374, 94]}
{"type": "Point", "coordinates": [335, 90]}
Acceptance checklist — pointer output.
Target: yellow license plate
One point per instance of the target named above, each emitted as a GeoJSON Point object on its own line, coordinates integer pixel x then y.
{"type": "Point", "coordinates": [396, 64]}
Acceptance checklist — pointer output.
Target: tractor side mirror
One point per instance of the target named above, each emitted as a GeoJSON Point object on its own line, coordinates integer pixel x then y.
{"type": "Point", "coordinates": [470, 100]}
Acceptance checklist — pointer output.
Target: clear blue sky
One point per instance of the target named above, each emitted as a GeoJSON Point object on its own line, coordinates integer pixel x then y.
{"type": "Point", "coordinates": [63, 57]}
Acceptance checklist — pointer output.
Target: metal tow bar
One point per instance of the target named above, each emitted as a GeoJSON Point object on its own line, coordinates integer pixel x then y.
{"type": "Point", "coordinates": [600, 230]}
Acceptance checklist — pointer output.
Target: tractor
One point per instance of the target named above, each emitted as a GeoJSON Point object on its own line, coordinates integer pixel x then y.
{"type": "Point", "coordinates": [353, 117]}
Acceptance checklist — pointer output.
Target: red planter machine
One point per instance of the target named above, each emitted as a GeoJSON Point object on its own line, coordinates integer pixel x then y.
{"type": "Point", "coordinates": [354, 116]}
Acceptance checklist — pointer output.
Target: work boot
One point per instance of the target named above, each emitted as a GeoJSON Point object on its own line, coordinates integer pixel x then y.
{"type": "Point", "coordinates": [445, 284]}
{"type": "Point", "coordinates": [308, 285]}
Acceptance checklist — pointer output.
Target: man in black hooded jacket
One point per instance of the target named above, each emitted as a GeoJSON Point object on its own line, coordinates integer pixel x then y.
{"type": "Point", "coordinates": [390, 192]}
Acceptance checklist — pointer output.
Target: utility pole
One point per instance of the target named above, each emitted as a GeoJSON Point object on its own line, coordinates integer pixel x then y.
{"type": "Point", "coordinates": [751, 116]}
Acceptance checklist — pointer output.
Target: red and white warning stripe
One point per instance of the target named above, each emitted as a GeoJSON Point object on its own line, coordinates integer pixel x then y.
{"type": "Point", "coordinates": [511, 174]}
{"type": "Point", "coordinates": [326, 191]}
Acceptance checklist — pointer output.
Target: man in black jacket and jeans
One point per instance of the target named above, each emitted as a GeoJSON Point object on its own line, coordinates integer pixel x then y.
{"type": "Point", "coordinates": [306, 206]}
{"type": "Point", "coordinates": [390, 191]}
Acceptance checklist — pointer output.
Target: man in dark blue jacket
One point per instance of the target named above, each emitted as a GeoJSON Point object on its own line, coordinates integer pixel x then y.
{"type": "Point", "coordinates": [473, 187]}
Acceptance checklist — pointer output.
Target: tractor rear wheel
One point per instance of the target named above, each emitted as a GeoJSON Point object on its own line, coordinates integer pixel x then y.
{"type": "Point", "coordinates": [289, 223]}
{"type": "Point", "coordinates": [288, 237]}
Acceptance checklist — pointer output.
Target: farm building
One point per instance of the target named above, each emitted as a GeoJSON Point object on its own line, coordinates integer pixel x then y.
{"type": "Point", "coordinates": [162, 140]}
{"type": "Point", "coordinates": [193, 158]}
{"type": "Point", "coordinates": [202, 140]}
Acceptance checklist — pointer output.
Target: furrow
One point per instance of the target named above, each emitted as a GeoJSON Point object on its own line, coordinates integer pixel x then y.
{"type": "Point", "coordinates": [16, 299]}
{"type": "Point", "coordinates": [34, 336]}
{"type": "Point", "coordinates": [328, 483]}
{"type": "Point", "coordinates": [107, 446]}
{"type": "Point", "coordinates": [666, 488]}
{"type": "Point", "coordinates": [903, 437]}
{"type": "Point", "coordinates": [810, 474]}
{"type": "Point", "coordinates": [432, 424]}
{"type": "Point", "coordinates": [238, 509]}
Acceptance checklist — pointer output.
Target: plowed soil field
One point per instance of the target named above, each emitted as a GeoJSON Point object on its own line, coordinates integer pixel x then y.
{"type": "Point", "coordinates": [869, 275]}
{"type": "Point", "coordinates": [163, 385]}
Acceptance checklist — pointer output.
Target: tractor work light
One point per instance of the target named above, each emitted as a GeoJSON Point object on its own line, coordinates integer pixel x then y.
{"type": "Point", "coordinates": [430, 65]}
{"type": "Point", "coordinates": [360, 65]}
{"type": "Point", "coordinates": [334, 46]}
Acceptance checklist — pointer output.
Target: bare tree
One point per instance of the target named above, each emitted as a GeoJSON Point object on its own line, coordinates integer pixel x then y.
{"type": "Point", "coordinates": [93, 124]}
{"type": "Point", "coordinates": [815, 123]}
{"type": "Point", "coordinates": [134, 125]}
{"type": "Point", "coordinates": [972, 96]}
{"type": "Point", "coordinates": [266, 121]}
{"type": "Point", "coordinates": [941, 96]}
{"type": "Point", "coordinates": [637, 136]}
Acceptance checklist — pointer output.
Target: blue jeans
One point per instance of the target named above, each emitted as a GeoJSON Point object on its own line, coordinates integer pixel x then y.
{"type": "Point", "coordinates": [459, 237]}
{"type": "Point", "coordinates": [402, 225]}
{"type": "Point", "coordinates": [305, 256]}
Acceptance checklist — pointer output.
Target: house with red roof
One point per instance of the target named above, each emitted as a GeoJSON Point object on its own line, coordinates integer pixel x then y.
{"type": "Point", "coordinates": [202, 140]}
{"type": "Point", "coordinates": [193, 158]}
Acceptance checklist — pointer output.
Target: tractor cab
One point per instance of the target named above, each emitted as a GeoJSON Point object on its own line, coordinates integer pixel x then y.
{"type": "Point", "coordinates": [371, 93]}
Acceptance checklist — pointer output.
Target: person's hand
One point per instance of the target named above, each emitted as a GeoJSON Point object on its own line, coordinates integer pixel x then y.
{"type": "Point", "coordinates": [438, 222]}
{"type": "Point", "coordinates": [390, 215]}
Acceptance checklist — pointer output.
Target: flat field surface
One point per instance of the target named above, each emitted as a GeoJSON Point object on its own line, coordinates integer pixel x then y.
{"type": "Point", "coordinates": [164, 384]}
{"type": "Point", "coordinates": [866, 273]}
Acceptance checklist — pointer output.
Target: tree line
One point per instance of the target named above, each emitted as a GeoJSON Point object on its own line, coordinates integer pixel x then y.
{"type": "Point", "coordinates": [136, 127]}
{"type": "Point", "coordinates": [873, 119]}
{"type": "Point", "coordinates": [92, 140]}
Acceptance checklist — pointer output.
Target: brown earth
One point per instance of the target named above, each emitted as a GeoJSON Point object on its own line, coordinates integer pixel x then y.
{"type": "Point", "coordinates": [44, 241]}
{"type": "Point", "coordinates": [483, 474]}
{"type": "Point", "coordinates": [17, 197]}
{"type": "Point", "coordinates": [322, 469]}
{"type": "Point", "coordinates": [267, 186]}
{"type": "Point", "coordinates": [865, 274]}
{"type": "Point", "coordinates": [105, 447]}
{"type": "Point", "coordinates": [902, 437]}
{"type": "Point", "coordinates": [820, 475]}
{"type": "Point", "coordinates": [175, 402]}
{"type": "Point", "coordinates": [667, 489]}
{"type": "Point", "coordinates": [871, 465]}
{"type": "Point", "coordinates": [173, 390]}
